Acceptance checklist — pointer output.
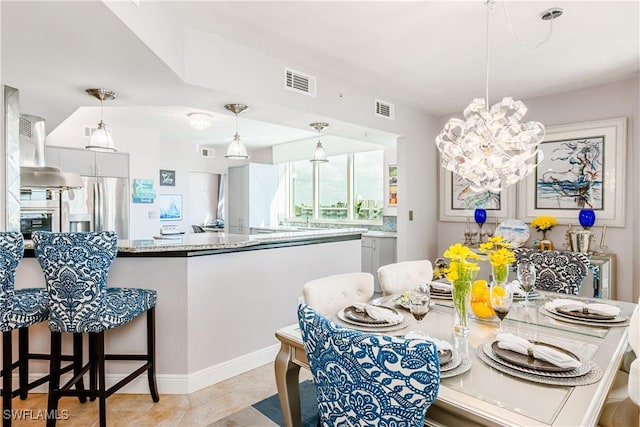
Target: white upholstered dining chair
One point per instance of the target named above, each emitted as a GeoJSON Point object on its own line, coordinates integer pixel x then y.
{"type": "Point", "coordinates": [397, 278]}
{"type": "Point", "coordinates": [329, 294]}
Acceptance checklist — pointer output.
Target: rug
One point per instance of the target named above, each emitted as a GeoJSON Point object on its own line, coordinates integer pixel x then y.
{"type": "Point", "coordinates": [270, 407]}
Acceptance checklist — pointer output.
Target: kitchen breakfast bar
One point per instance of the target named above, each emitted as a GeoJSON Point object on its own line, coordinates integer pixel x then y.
{"type": "Point", "coordinates": [220, 297]}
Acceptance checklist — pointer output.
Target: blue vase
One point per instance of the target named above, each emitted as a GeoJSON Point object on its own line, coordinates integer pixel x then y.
{"type": "Point", "coordinates": [480, 216]}
{"type": "Point", "coordinates": [587, 218]}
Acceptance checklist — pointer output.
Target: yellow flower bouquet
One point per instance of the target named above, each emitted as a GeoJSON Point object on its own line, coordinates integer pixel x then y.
{"type": "Point", "coordinates": [543, 224]}
{"type": "Point", "coordinates": [500, 256]}
{"type": "Point", "coordinates": [461, 272]}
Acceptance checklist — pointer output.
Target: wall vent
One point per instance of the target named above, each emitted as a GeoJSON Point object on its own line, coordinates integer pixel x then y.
{"type": "Point", "coordinates": [88, 130]}
{"type": "Point", "coordinates": [299, 82]}
{"type": "Point", "coordinates": [24, 128]}
{"type": "Point", "coordinates": [385, 109]}
{"type": "Point", "coordinates": [207, 152]}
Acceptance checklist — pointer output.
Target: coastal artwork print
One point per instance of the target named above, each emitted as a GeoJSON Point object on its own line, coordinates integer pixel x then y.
{"type": "Point", "coordinates": [571, 175]}
{"type": "Point", "coordinates": [462, 198]}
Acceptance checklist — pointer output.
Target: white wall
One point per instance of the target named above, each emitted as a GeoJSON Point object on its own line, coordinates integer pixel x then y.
{"type": "Point", "coordinates": [620, 99]}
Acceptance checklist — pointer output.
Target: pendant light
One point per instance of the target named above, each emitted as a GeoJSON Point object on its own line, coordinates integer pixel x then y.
{"type": "Point", "coordinates": [100, 139]}
{"type": "Point", "coordinates": [319, 156]}
{"type": "Point", "coordinates": [236, 149]}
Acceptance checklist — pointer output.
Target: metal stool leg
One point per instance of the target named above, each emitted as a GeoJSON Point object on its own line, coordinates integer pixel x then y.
{"type": "Point", "coordinates": [7, 361]}
{"type": "Point", "coordinates": [54, 379]}
{"type": "Point", "coordinates": [151, 353]}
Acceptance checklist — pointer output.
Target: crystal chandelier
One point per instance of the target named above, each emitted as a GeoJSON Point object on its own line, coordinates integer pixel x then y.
{"type": "Point", "coordinates": [491, 148]}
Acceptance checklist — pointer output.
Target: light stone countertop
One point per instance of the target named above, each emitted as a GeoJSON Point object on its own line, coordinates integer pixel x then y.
{"type": "Point", "coordinates": [376, 233]}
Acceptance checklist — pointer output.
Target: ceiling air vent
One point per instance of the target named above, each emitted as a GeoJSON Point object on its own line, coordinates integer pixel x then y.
{"type": "Point", "coordinates": [299, 82]}
{"type": "Point", "coordinates": [384, 109]}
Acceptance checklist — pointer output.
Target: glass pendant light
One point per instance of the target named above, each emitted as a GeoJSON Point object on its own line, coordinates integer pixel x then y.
{"type": "Point", "coordinates": [319, 156]}
{"type": "Point", "coordinates": [100, 139]}
{"type": "Point", "coordinates": [236, 149]}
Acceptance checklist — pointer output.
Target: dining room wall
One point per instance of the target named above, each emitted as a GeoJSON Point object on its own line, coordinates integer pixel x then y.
{"type": "Point", "coordinates": [620, 99]}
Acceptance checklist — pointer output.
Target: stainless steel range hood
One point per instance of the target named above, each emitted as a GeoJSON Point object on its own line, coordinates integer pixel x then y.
{"type": "Point", "coordinates": [33, 172]}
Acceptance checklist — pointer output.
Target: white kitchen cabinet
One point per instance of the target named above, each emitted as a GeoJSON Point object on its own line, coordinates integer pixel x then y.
{"type": "Point", "coordinates": [87, 162]}
{"type": "Point", "coordinates": [252, 195]}
{"type": "Point", "coordinates": [376, 252]}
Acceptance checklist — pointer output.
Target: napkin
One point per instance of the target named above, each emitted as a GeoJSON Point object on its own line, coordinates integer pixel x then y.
{"type": "Point", "coordinates": [441, 345]}
{"type": "Point", "coordinates": [441, 286]}
{"type": "Point", "coordinates": [378, 313]}
{"type": "Point", "coordinates": [520, 345]}
{"type": "Point", "coordinates": [516, 289]}
{"type": "Point", "coordinates": [591, 308]}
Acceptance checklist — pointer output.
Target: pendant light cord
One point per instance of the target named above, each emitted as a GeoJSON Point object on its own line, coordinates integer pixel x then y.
{"type": "Point", "coordinates": [513, 34]}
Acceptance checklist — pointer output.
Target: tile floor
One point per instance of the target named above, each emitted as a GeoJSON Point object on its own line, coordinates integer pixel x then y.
{"type": "Point", "coordinates": [226, 404]}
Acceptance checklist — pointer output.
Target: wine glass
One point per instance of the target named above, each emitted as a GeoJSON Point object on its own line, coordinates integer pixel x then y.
{"type": "Point", "coordinates": [501, 298]}
{"type": "Point", "coordinates": [527, 278]}
{"type": "Point", "coordinates": [419, 300]}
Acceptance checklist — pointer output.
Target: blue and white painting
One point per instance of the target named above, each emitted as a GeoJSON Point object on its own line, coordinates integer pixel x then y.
{"type": "Point", "coordinates": [571, 174]}
{"type": "Point", "coordinates": [462, 198]}
{"type": "Point", "coordinates": [170, 207]}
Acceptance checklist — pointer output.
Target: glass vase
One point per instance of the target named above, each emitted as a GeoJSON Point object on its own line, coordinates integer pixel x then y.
{"type": "Point", "coordinates": [461, 296]}
{"type": "Point", "coordinates": [500, 273]}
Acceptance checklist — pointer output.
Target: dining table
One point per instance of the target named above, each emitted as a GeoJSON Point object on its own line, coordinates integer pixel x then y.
{"type": "Point", "coordinates": [482, 391]}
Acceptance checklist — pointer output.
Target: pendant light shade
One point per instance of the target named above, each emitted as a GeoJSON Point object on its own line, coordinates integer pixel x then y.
{"type": "Point", "coordinates": [319, 155]}
{"type": "Point", "coordinates": [101, 139]}
{"type": "Point", "coordinates": [236, 149]}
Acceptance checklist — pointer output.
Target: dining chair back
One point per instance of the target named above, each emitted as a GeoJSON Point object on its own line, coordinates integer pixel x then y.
{"type": "Point", "coordinates": [366, 378]}
{"type": "Point", "coordinates": [398, 277]}
{"type": "Point", "coordinates": [76, 266]}
{"type": "Point", "coordinates": [19, 309]}
{"type": "Point", "coordinates": [329, 294]}
{"type": "Point", "coordinates": [557, 271]}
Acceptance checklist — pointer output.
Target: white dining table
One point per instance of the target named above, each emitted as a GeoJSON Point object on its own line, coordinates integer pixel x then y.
{"type": "Point", "coordinates": [484, 395]}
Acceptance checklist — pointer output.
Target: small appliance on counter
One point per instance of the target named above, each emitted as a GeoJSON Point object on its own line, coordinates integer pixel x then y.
{"type": "Point", "coordinates": [169, 232]}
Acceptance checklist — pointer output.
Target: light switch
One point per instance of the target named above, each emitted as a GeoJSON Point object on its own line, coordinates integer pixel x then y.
{"type": "Point", "coordinates": [153, 214]}
{"type": "Point", "coordinates": [410, 215]}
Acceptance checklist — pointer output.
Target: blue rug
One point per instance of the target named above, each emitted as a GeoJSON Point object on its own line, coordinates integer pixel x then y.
{"type": "Point", "coordinates": [270, 406]}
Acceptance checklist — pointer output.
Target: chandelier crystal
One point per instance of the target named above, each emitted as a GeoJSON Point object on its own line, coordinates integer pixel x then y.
{"type": "Point", "coordinates": [491, 148]}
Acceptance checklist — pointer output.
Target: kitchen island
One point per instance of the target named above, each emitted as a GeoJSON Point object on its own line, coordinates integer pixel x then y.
{"type": "Point", "coordinates": [220, 297]}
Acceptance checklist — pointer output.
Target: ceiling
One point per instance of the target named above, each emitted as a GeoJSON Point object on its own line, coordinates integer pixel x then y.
{"type": "Point", "coordinates": [427, 54]}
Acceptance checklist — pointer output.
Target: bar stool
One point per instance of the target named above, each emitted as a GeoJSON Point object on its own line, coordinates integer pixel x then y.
{"type": "Point", "coordinates": [76, 266]}
{"type": "Point", "coordinates": [19, 309]}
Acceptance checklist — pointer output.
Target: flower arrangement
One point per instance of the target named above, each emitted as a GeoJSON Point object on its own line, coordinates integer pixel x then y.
{"type": "Point", "coordinates": [500, 256]}
{"type": "Point", "coordinates": [461, 272]}
{"type": "Point", "coordinates": [544, 223]}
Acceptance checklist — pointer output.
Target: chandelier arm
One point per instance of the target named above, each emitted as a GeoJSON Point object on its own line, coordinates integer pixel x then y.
{"type": "Point", "coordinates": [517, 40]}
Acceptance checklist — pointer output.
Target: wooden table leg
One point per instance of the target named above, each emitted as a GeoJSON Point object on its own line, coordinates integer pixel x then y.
{"type": "Point", "coordinates": [287, 379]}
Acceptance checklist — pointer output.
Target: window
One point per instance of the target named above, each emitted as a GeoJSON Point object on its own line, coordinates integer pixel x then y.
{"type": "Point", "coordinates": [349, 187]}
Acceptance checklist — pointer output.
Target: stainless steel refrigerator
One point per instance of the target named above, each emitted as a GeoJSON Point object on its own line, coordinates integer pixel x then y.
{"type": "Point", "coordinates": [101, 205]}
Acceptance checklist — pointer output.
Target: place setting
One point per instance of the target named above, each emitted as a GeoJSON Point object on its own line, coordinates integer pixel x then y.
{"type": "Point", "coordinates": [537, 361]}
{"type": "Point", "coordinates": [372, 318]}
{"type": "Point", "coordinates": [584, 313]}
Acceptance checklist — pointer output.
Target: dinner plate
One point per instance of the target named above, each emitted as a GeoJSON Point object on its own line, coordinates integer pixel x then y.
{"type": "Point", "coordinates": [531, 362]}
{"type": "Point", "coordinates": [618, 319]}
{"type": "Point", "coordinates": [361, 317]}
{"type": "Point", "coordinates": [583, 369]}
{"type": "Point", "coordinates": [583, 315]}
{"type": "Point", "coordinates": [371, 327]}
{"type": "Point", "coordinates": [453, 363]}
{"type": "Point", "coordinates": [445, 356]}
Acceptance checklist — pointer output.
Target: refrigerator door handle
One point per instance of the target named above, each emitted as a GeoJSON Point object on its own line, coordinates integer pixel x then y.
{"type": "Point", "coordinates": [97, 207]}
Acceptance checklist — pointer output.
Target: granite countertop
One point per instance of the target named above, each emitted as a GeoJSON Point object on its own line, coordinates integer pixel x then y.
{"type": "Point", "coordinates": [375, 233]}
{"type": "Point", "coordinates": [220, 240]}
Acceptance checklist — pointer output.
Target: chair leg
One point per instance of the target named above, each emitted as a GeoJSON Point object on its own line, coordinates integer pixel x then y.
{"type": "Point", "coordinates": [93, 363]}
{"type": "Point", "coordinates": [151, 353]}
{"type": "Point", "coordinates": [7, 387]}
{"type": "Point", "coordinates": [54, 379]}
{"type": "Point", "coordinates": [23, 362]}
{"type": "Point", "coordinates": [102, 392]}
{"type": "Point", "coordinates": [77, 365]}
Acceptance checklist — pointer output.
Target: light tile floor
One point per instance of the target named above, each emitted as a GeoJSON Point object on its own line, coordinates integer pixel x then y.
{"type": "Point", "coordinates": [226, 404]}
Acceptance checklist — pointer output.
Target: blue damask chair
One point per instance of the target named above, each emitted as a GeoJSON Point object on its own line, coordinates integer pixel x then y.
{"type": "Point", "coordinates": [19, 309]}
{"type": "Point", "coordinates": [368, 379]}
{"type": "Point", "coordinates": [75, 267]}
{"type": "Point", "coordinates": [557, 271]}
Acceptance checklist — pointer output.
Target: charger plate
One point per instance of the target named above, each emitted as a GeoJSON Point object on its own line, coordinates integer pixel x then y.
{"type": "Point", "coordinates": [601, 324]}
{"type": "Point", "coordinates": [593, 376]}
{"type": "Point", "coordinates": [352, 314]}
{"type": "Point", "coordinates": [456, 366]}
{"type": "Point", "coordinates": [370, 328]}
{"type": "Point", "coordinates": [530, 362]}
{"type": "Point", "coordinates": [583, 369]}
{"type": "Point", "coordinates": [588, 317]}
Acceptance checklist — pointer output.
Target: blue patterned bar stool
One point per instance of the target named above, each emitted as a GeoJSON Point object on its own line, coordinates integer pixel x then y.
{"type": "Point", "coordinates": [19, 309]}
{"type": "Point", "coordinates": [366, 378]}
{"type": "Point", "coordinates": [75, 267]}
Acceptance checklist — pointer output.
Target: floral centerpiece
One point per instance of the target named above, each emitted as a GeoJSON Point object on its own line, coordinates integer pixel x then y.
{"type": "Point", "coordinates": [500, 256]}
{"type": "Point", "coordinates": [461, 272]}
{"type": "Point", "coordinates": [543, 224]}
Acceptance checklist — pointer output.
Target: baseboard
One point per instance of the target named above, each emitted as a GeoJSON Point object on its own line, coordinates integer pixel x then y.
{"type": "Point", "coordinates": [181, 384]}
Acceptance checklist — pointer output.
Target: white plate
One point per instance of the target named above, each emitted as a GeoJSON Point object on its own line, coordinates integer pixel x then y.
{"type": "Point", "coordinates": [514, 232]}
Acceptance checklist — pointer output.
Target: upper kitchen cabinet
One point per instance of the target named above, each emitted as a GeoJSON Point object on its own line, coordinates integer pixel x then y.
{"type": "Point", "coordinates": [87, 162]}
{"type": "Point", "coordinates": [252, 198]}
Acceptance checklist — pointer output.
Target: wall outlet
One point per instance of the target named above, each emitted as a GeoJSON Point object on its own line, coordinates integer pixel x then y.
{"type": "Point", "coordinates": [153, 214]}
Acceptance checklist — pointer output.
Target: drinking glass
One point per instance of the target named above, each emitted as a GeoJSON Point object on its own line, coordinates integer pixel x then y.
{"type": "Point", "coordinates": [419, 303]}
{"type": "Point", "coordinates": [527, 278]}
{"type": "Point", "coordinates": [501, 299]}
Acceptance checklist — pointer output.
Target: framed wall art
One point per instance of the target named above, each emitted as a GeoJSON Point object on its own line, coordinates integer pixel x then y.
{"type": "Point", "coordinates": [393, 185]}
{"type": "Point", "coordinates": [457, 201]}
{"type": "Point", "coordinates": [583, 167]}
{"type": "Point", "coordinates": [167, 177]}
{"type": "Point", "coordinates": [170, 207]}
